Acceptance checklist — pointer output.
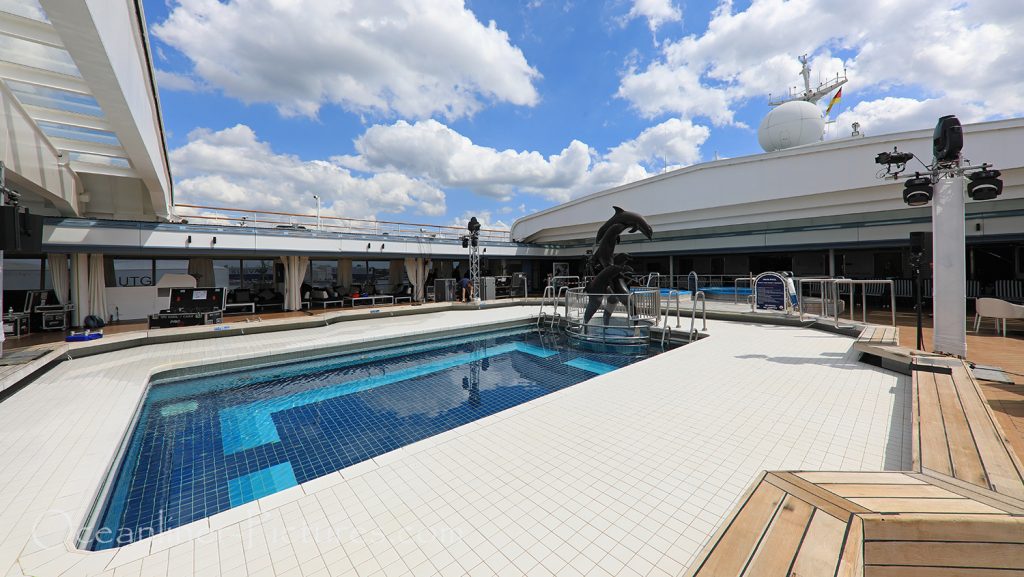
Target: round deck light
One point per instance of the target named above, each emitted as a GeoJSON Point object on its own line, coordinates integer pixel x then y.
{"type": "Point", "coordinates": [984, 184]}
{"type": "Point", "coordinates": [918, 191]}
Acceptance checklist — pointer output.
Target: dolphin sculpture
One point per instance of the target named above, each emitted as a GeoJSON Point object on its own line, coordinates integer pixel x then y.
{"type": "Point", "coordinates": [612, 270]}
{"type": "Point", "coordinates": [632, 220]}
{"type": "Point", "coordinates": [605, 251]}
{"type": "Point", "coordinates": [604, 283]}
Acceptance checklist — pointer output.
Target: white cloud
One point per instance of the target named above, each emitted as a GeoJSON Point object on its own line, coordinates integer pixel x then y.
{"type": "Point", "coordinates": [434, 152]}
{"type": "Point", "coordinates": [657, 13]}
{"type": "Point", "coordinates": [965, 54]}
{"type": "Point", "coordinates": [894, 114]}
{"type": "Point", "coordinates": [413, 58]}
{"type": "Point", "coordinates": [233, 168]}
{"type": "Point", "coordinates": [174, 81]}
{"type": "Point", "coordinates": [484, 217]}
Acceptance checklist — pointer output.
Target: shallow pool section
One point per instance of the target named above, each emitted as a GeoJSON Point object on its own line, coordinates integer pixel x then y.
{"type": "Point", "coordinates": [204, 445]}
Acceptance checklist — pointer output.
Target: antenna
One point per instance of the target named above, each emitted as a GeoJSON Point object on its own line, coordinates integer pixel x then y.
{"type": "Point", "coordinates": [809, 94]}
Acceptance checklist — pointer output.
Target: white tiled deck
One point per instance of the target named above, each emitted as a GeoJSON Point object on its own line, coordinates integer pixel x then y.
{"type": "Point", "coordinates": [625, 474]}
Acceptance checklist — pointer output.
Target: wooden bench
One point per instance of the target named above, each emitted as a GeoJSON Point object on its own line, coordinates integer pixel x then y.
{"type": "Point", "coordinates": [955, 432]}
{"type": "Point", "coordinates": [960, 511]}
{"type": "Point", "coordinates": [884, 524]}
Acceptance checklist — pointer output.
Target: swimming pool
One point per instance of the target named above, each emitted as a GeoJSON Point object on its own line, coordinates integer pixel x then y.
{"type": "Point", "coordinates": [710, 292]}
{"type": "Point", "coordinates": [203, 445]}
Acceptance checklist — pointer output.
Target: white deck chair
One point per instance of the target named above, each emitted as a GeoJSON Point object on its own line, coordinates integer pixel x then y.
{"type": "Point", "coordinates": [996, 309]}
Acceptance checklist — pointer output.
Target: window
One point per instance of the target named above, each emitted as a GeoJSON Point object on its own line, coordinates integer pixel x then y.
{"type": "Point", "coordinates": [324, 273]}
{"type": "Point", "coordinates": [228, 273]}
{"type": "Point", "coordinates": [170, 267]}
{"type": "Point", "coordinates": [258, 274]}
{"type": "Point", "coordinates": [133, 272]}
{"type": "Point", "coordinates": [23, 274]}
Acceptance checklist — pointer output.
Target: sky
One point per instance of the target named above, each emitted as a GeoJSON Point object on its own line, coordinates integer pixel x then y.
{"type": "Point", "coordinates": [432, 111]}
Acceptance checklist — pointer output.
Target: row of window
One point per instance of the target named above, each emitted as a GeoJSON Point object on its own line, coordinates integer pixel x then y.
{"type": "Point", "coordinates": [34, 273]}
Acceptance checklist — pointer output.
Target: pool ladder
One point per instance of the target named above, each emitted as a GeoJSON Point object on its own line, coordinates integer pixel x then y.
{"type": "Point", "coordinates": [666, 330]}
{"type": "Point", "coordinates": [551, 296]}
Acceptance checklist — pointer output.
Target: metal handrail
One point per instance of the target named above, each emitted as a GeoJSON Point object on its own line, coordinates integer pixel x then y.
{"type": "Point", "coordinates": [562, 290]}
{"type": "Point", "coordinates": [666, 331]}
{"type": "Point", "coordinates": [698, 296]}
{"type": "Point", "coordinates": [864, 296]}
{"type": "Point", "coordinates": [252, 218]}
{"type": "Point", "coordinates": [831, 296]}
{"type": "Point", "coordinates": [821, 282]}
{"type": "Point", "coordinates": [652, 276]}
{"type": "Point", "coordinates": [736, 287]}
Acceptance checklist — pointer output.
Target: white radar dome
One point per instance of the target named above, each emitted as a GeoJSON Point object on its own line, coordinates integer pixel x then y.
{"type": "Point", "coordinates": [793, 123]}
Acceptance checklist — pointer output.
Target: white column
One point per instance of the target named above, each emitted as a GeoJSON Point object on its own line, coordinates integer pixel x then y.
{"type": "Point", "coordinates": [949, 274]}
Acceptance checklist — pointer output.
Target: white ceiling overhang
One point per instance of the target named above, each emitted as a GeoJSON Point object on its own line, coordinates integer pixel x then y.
{"type": "Point", "coordinates": [65, 63]}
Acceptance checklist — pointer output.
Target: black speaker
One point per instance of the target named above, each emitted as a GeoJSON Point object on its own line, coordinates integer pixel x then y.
{"type": "Point", "coordinates": [20, 232]}
{"type": "Point", "coordinates": [948, 139]}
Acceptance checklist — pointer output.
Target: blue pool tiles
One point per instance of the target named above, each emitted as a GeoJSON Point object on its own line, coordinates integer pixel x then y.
{"type": "Point", "coordinates": [205, 445]}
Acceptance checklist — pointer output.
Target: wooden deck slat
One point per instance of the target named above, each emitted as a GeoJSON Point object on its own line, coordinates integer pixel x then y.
{"type": "Point", "coordinates": [864, 478]}
{"type": "Point", "coordinates": [778, 549]}
{"type": "Point", "coordinates": [829, 502]}
{"type": "Point", "coordinates": [819, 553]}
{"type": "Point", "coordinates": [906, 571]}
{"type": "Point", "coordinates": [932, 554]}
{"type": "Point", "coordinates": [930, 527]}
{"type": "Point", "coordinates": [962, 451]}
{"type": "Point", "coordinates": [985, 495]}
{"type": "Point", "coordinates": [1003, 470]}
{"type": "Point", "coordinates": [851, 564]}
{"type": "Point", "coordinates": [849, 490]}
{"type": "Point", "coordinates": [934, 448]}
{"type": "Point", "coordinates": [734, 548]}
{"type": "Point", "coordinates": [901, 505]}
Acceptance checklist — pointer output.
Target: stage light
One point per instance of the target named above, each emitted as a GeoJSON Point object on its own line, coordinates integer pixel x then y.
{"type": "Point", "coordinates": [465, 242]}
{"type": "Point", "coordinates": [948, 139]}
{"type": "Point", "coordinates": [984, 184]}
{"type": "Point", "coordinates": [917, 191]}
{"type": "Point", "coordinates": [894, 157]}
{"type": "Point", "coordinates": [473, 226]}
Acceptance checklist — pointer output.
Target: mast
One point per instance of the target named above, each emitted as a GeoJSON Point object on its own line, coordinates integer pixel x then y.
{"type": "Point", "coordinates": [812, 95]}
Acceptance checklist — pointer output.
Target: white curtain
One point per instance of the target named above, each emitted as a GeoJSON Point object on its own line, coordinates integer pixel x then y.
{"type": "Point", "coordinates": [97, 287]}
{"type": "Point", "coordinates": [416, 270]}
{"type": "Point", "coordinates": [59, 276]}
{"type": "Point", "coordinates": [294, 272]}
{"type": "Point", "coordinates": [345, 273]}
{"type": "Point", "coordinates": [202, 268]}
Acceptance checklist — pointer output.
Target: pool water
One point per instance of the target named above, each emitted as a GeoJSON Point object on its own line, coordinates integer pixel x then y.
{"type": "Point", "coordinates": [204, 445]}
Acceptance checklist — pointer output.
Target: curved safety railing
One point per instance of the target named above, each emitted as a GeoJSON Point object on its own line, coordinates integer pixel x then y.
{"type": "Point", "coordinates": [640, 311]}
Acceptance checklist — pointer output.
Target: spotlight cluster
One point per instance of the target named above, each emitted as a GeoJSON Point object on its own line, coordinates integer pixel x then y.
{"type": "Point", "coordinates": [947, 142]}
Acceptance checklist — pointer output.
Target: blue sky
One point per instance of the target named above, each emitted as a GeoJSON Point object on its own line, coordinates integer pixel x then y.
{"type": "Point", "coordinates": [432, 110]}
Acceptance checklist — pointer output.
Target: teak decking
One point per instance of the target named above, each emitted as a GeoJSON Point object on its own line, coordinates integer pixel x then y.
{"type": "Point", "coordinates": [959, 512]}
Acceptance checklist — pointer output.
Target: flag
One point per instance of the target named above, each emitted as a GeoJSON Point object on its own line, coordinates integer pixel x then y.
{"type": "Point", "coordinates": [835, 100]}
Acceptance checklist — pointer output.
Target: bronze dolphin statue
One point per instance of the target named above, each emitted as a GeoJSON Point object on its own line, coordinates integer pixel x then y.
{"type": "Point", "coordinates": [632, 220]}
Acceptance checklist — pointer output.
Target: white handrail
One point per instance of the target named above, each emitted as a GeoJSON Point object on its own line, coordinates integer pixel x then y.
{"type": "Point", "coordinates": [704, 313]}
